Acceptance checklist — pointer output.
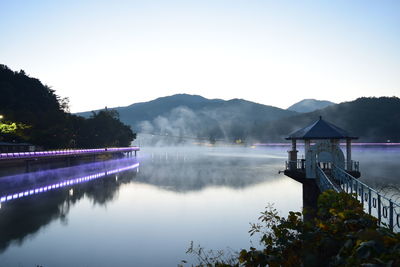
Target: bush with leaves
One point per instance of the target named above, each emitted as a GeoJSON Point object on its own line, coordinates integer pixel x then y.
{"type": "Point", "coordinates": [342, 234]}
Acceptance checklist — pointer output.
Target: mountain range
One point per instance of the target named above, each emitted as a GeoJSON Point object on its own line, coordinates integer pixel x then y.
{"type": "Point", "coordinates": [191, 116]}
{"type": "Point", "coordinates": [186, 115]}
{"type": "Point", "coordinates": [214, 108]}
{"type": "Point", "coordinates": [309, 105]}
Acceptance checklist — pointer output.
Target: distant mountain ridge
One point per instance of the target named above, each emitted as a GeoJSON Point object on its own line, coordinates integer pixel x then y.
{"type": "Point", "coordinates": [309, 105]}
{"type": "Point", "coordinates": [194, 115]}
{"type": "Point", "coordinates": [372, 119]}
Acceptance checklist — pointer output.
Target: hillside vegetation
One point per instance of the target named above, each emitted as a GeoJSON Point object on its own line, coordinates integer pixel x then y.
{"type": "Point", "coordinates": [185, 115]}
{"type": "Point", "coordinates": [33, 113]}
{"type": "Point", "coordinates": [371, 119]}
{"type": "Point", "coordinates": [341, 234]}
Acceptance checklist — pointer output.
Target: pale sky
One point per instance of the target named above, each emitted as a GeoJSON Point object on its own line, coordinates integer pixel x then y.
{"type": "Point", "coordinates": [115, 53]}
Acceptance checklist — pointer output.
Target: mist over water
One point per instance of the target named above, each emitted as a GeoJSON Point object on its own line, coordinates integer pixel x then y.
{"type": "Point", "coordinates": [147, 216]}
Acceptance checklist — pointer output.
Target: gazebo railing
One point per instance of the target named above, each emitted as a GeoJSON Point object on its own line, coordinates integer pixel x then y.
{"type": "Point", "coordinates": [354, 166]}
{"type": "Point", "coordinates": [300, 164]}
{"type": "Point", "coordinates": [295, 164]}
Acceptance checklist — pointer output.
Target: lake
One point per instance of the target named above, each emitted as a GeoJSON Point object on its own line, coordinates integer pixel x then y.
{"type": "Point", "coordinates": [146, 211]}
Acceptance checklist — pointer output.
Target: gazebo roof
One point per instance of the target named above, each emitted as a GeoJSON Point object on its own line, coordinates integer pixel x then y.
{"type": "Point", "coordinates": [320, 130]}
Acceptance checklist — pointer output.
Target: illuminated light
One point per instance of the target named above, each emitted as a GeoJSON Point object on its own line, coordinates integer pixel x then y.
{"type": "Point", "coordinates": [71, 192]}
{"type": "Point", "coordinates": [65, 152]}
{"type": "Point", "coordinates": [65, 183]}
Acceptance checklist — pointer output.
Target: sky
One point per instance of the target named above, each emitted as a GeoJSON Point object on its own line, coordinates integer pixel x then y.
{"type": "Point", "coordinates": [116, 53]}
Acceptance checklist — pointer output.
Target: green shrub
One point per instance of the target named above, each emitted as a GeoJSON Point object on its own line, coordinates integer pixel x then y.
{"type": "Point", "coordinates": [342, 234]}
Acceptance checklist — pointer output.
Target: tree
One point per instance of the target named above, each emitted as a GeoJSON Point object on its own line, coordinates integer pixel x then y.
{"type": "Point", "coordinates": [26, 101]}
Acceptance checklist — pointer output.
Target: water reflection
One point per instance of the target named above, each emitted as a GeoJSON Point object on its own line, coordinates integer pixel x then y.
{"type": "Point", "coordinates": [193, 172]}
{"type": "Point", "coordinates": [207, 195]}
{"type": "Point", "coordinates": [380, 169]}
{"type": "Point", "coordinates": [31, 201]}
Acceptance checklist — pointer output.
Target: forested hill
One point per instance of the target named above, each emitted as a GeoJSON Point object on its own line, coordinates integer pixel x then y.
{"type": "Point", "coordinates": [371, 119]}
{"type": "Point", "coordinates": [32, 112]}
{"type": "Point", "coordinates": [196, 116]}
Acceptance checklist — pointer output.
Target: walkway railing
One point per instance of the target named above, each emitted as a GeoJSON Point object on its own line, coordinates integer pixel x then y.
{"type": "Point", "coordinates": [324, 182]}
{"type": "Point", "coordinates": [384, 209]}
{"type": "Point", "coordinates": [65, 152]}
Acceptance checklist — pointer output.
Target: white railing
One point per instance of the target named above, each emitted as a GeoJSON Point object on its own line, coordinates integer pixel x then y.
{"type": "Point", "coordinates": [354, 166]}
{"type": "Point", "coordinates": [384, 209]}
{"type": "Point", "coordinates": [324, 182]}
{"type": "Point", "coordinates": [295, 164]}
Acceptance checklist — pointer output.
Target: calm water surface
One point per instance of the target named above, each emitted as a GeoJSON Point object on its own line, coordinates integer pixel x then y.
{"type": "Point", "coordinates": [148, 214]}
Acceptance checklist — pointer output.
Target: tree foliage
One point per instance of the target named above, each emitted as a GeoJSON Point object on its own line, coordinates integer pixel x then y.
{"type": "Point", "coordinates": [370, 118]}
{"type": "Point", "coordinates": [34, 113]}
{"type": "Point", "coordinates": [101, 126]}
{"type": "Point", "coordinates": [342, 234]}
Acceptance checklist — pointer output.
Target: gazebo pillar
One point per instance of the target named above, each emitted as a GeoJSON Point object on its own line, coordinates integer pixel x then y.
{"type": "Point", "coordinates": [307, 144]}
{"type": "Point", "coordinates": [348, 154]}
{"type": "Point", "coordinates": [294, 145]}
{"type": "Point", "coordinates": [293, 156]}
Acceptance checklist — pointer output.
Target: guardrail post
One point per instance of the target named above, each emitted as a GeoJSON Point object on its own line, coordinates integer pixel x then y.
{"type": "Point", "coordinates": [356, 189]}
{"type": "Point", "coordinates": [351, 186]}
{"type": "Point", "coordinates": [369, 201]}
{"type": "Point", "coordinates": [362, 195]}
{"type": "Point", "coordinates": [379, 208]}
{"type": "Point", "coordinates": [391, 215]}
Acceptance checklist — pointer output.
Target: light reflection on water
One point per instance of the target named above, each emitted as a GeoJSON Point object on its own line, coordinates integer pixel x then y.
{"type": "Point", "coordinates": [148, 218]}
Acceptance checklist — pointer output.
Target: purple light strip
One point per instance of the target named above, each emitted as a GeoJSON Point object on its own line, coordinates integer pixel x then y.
{"type": "Point", "coordinates": [64, 183]}
{"type": "Point", "coordinates": [353, 144]}
{"type": "Point", "coordinates": [66, 152]}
